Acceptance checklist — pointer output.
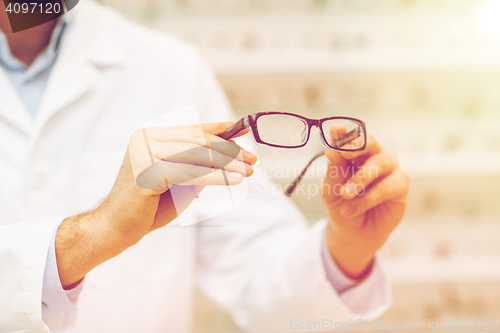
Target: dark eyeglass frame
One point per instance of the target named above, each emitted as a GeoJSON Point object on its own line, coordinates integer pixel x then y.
{"type": "Point", "coordinates": [250, 122]}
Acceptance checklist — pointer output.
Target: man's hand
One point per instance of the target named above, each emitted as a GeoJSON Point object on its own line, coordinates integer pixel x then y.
{"type": "Point", "coordinates": [365, 195]}
{"type": "Point", "coordinates": [159, 161]}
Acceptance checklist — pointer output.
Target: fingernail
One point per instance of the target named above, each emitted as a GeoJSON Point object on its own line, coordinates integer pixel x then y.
{"type": "Point", "coordinates": [347, 211]}
{"type": "Point", "coordinates": [241, 165]}
{"type": "Point", "coordinates": [249, 156]}
{"type": "Point", "coordinates": [235, 175]}
{"type": "Point", "coordinates": [350, 188]}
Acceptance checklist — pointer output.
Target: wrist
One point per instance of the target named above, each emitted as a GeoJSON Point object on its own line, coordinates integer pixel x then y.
{"type": "Point", "coordinates": [350, 255]}
{"type": "Point", "coordinates": [82, 243]}
{"type": "Point", "coordinates": [127, 215]}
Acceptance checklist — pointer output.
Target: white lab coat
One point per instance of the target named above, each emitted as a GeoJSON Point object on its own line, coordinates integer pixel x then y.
{"type": "Point", "coordinates": [261, 262]}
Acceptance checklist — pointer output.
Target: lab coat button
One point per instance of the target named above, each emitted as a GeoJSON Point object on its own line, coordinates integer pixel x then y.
{"type": "Point", "coordinates": [27, 303]}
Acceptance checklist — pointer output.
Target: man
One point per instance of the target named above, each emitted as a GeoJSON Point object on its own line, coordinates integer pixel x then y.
{"type": "Point", "coordinates": [71, 92]}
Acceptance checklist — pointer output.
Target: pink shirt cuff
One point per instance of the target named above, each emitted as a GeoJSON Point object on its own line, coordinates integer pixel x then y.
{"type": "Point", "coordinates": [54, 297]}
{"type": "Point", "coordinates": [368, 298]}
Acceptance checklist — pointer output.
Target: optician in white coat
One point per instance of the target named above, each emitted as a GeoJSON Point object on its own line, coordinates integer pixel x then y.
{"type": "Point", "coordinates": [263, 265]}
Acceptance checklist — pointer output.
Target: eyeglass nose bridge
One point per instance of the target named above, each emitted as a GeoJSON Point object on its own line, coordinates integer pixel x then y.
{"type": "Point", "coordinates": [317, 124]}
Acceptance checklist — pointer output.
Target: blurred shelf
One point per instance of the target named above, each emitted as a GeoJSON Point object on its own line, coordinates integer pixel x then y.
{"type": "Point", "coordinates": [334, 42]}
{"type": "Point", "coordinates": [449, 165]}
{"type": "Point", "coordinates": [322, 35]}
{"type": "Point", "coordinates": [472, 269]}
{"type": "Point", "coordinates": [461, 101]}
{"type": "Point", "coordinates": [444, 247]}
{"type": "Point", "coordinates": [191, 6]}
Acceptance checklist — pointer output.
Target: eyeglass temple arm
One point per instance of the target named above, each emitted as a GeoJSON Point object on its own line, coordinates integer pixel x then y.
{"type": "Point", "coordinates": [339, 143]}
{"type": "Point", "coordinates": [296, 182]}
{"type": "Point", "coordinates": [236, 128]}
{"type": "Point", "coordinates": [348, 137]}
{"type": "Point", "coordinates": [243, 123]}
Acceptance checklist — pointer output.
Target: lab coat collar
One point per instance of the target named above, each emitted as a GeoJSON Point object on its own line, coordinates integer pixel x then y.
{"type": "Point", "coordinates": [87, 48]}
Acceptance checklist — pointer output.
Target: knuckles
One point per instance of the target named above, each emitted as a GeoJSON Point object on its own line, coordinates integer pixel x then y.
{"type": "Point", "coordinates": [383, 190]}
{"type": "Point", "coordinates": [406, 178]}
{"type": "Point", "coordinates": [191, 172]}
{"type": "Point", "coordinates": [390, 160]}
{"type": "Point", "coordinates": [136, 135]}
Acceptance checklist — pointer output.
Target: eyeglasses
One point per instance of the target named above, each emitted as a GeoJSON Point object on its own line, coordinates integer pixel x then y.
{"type": "Point", "coordinates": [288, 130]}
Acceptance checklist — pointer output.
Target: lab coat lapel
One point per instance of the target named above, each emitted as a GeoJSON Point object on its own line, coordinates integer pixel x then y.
{"type": "Point", "coordinates": [12, 108]}
{"type": "Point", "coordinates": [86, 49]}
{"type": "Point", "coordinates": [72, 75]}
{"type": "Point", "coordinates": [71, 78]}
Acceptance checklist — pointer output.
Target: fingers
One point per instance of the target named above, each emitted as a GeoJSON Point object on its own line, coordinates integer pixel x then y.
{"type": "Point", "coordinates": [186, 174]}
{"type": "Point", "coordinates": [188, 153]}
{"type": "Point", "coordinates": [393, 188]}
{"type": "Point", "coordinates": [342, 163]}
{"type": "Point", "coordinates": [372, 147]}
{"type": "Point", "coordinates": [229, 148]}
{"type": "Point", "coordinates": [241, 133]}
{"type": "Point", "coordinates": [194, 134]}
{"type": "Point", "coordinates": [216, 128]}
{"type": "Point", "coordinates": [340, 138]}
{"type": "Point", "coordinates": [187, 134]}
{"type": "Point", "coordinates": [375, 166]}
{"type": "Point", "coordinates": [338, 168]}
{"type": "Point", "coordinates": [336, 133]}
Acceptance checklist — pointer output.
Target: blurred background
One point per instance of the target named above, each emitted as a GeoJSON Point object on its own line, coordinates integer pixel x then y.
{"type": "Point", "coordinates": [425, 77]}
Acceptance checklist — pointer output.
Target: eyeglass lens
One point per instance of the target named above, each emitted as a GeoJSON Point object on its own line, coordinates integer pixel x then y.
{"type": "Point", "coordinates": [289, 131]}
{"type": "Point", "coordinates": [282, 130]}
{"type": "Point", "coordinates": [343, 134]}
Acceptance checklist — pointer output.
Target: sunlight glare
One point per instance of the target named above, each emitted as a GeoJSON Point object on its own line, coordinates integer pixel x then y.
{"type": "Point", "coordinates": [489, 16]}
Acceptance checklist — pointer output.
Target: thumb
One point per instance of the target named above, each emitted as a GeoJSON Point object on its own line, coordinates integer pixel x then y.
{"type": "Point", "coordinates": [339, 169]}
{"type": "Point", "coordinates": [338, 172]}
{"type": "Point", "coordinates": [216, 128]}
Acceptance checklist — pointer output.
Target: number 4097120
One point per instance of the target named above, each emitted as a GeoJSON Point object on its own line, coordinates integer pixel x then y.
{"type": "Point", "coordinates": [470, 323]}
{"type": "Point", "coordinates": [34, 8]}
